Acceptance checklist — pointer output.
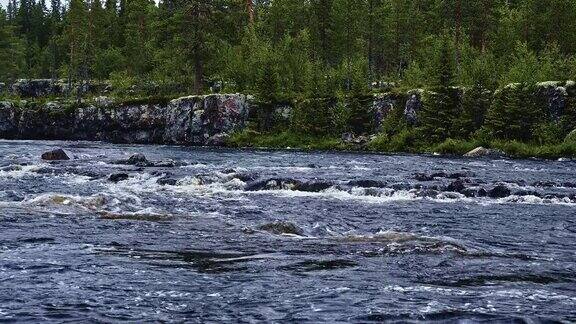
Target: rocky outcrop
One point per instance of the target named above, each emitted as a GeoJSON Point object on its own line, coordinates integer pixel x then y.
{"type": "Point", "coordinates": [199, 120]}
{"type": "Point", "coordinates": [9, 119]}
{"type": "Point", "coordinates": [554, 95]}
{"type": "Point", "coordinates": [37, 88]}
{"type": "Point", "coordinates": [195, 120]}
{"type": "Point", "coordinates": [413, 106]}
{"type": "Point", "coordinates": [383, 105]}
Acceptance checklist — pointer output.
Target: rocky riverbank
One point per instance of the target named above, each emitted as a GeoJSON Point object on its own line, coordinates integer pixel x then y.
{"type": "Point", "coordinates": [211, 120]}
{"type": "Point", "coordinates": [194, 120]}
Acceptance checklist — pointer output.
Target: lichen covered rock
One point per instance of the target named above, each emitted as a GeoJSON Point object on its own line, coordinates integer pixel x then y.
{"type": "Point", "coordinates": [413, 106]}
{"type": "Point", "coordinates": [484, 152]}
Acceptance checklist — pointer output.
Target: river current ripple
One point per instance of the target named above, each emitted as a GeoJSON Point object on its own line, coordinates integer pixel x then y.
{"type": "Point", "coordinates": [205, 235]}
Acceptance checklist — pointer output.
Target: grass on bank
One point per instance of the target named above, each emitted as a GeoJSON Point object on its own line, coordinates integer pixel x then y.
{"type": "Point", "coordinates": [405, 142]}
{"type": "Point", "coordinates": [286, 139]}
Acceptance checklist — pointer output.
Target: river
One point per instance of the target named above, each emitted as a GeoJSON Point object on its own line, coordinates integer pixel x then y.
{"type": "Point", "coordinates": [213, 235]}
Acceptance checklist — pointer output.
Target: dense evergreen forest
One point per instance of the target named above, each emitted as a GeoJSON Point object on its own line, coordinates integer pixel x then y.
{"type": "Point", "coordinates": [279, 50]}
{"type": "Point", "coordinates": [283, 47]}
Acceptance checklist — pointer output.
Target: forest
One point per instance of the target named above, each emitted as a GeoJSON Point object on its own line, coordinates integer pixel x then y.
{"type": "Point", "coordinates": [478, 62]}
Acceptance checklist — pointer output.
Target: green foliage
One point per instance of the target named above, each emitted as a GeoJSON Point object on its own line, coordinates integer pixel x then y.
{"type": "Point", "coordinates": [455, 147]}
{"type": "Point", "coordinates": [571, 138]}
{"type": "Point", "coordinates": [316, 117]}
{"type": "Point", "coordinates": [287, 139]}
{"type": "Point", "coordinates": [548, 133]}
{"type": "Point", "coordinates": [407, 140]}
{"type": "Point", "coordinates": [475, 103]}
{"type": "Point", "coordinates": [515, 113]}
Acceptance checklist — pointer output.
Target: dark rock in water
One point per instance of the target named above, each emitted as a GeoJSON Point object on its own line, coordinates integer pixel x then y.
{"type": "Point", "coordinates": [440, 174]}
{"type": "Point", "coordinates": [281, 227]}
{"type": "Point", "coordinates": [165, 164]}
{"type": "Point", "coordinates": [273, 184]}
{"type": "Point", "coordinates": [135, 217]}
{"type": "Point", "coordinates": [55, 155]}
{"type": "Point", "coordinates": [167, 182]}
{"type": "Point", "coordinates": [246, 177]}
{"type": "Point", "coordinates": [482, 192]}
{"type": "Point", "coordinates": [313, 186]}
{"type": "Point", "coordinates": [117, 177]}
{"type": "Point", "coordinates": [401, 186]}
{"type": "Point", "coordinates": [500, 191]}
{"type": "Point", "coordinates": [367, 184]}
{"type": "Point", "coordinates": [456, 186]}
{"type": "Point", "coordinates": [459, 175]}
{"type": "Point", "coordinates": [470, 193]}
{"type": "Point", "coordinates": [137, 160]}
{"type": "Point", "coordinates": [423, 177]}
{"type": "Point", "coordinates": [427, 193]}
{"type": "Point", "coordinates": [11, 168]}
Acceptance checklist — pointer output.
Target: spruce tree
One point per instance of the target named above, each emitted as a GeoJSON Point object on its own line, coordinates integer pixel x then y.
{"type": "Point", "coordinates": [440, 104]}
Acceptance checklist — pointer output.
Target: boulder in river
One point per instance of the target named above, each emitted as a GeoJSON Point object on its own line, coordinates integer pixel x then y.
{"type": "Point", "coordinates": [500, 191]}
{"type": "Point", "coordinates": [55, 155]}
{"type": "Point", "coordinates": [117, 177]}
{"type": "Point", "coordinates": [137, 159]}
{"type": "Point", "coordinates": [456, 186]}
{"type": "Point", "coordinates": [484, 152]}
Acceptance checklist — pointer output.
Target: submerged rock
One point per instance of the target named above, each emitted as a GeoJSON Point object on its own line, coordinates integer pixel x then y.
{"type": "Point", "coordinates": [484, 152]}
{"type": "Point", "coordinates": [167, 181]}
{"type": "Point", "coordinates": [55, 155]}
{"type": "Point", "coordinates": [423, 177]}
{"type": "Point", "coordinates": [367, 183]}
{"type": "Point", "coordinates": [282, 228]}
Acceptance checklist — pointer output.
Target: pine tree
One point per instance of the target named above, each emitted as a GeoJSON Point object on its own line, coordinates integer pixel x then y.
{"type": "Point", "coordinates": [11, 50]}
{"type": "Point", "coordinates": [137, 34]}
{"type": "Point", "coordinates": [76, 36]}
{"type": "Point", "coordinates": [441, 105]}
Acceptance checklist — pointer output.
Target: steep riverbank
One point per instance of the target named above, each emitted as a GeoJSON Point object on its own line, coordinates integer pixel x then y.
{"type": "Point", "coordinates": [383, 122]}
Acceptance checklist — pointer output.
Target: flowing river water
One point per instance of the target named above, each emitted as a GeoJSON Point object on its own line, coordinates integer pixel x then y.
{"type": "Point", "coordinates": [206, 235]}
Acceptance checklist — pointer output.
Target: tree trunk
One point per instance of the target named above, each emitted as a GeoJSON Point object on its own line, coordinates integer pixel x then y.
{"type": "Point", "coordinates": [458, 33]}
{"type": "Point", "coordinates": [250, 9]}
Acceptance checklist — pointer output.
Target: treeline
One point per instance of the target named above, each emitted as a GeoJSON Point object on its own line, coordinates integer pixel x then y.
{"type": "Point", "coordinates": [284, 48]}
